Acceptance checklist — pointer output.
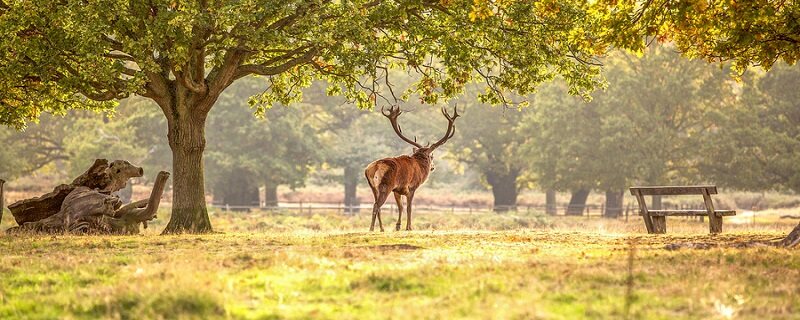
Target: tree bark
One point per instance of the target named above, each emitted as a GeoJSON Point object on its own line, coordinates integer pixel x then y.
{"type": "Point", "coordinates": [236, 189]}
{"type": "Point", "coordinates": [550, 202]}
{"type": "Point", "coordinates": [351, 202]}
{"type": "Point", "coordinates": [577, 202]}
{"type": "Point", "coordinates": [504, 190]}
{"type": "Point", "coordinates": [793, 239]}
{"type": "Point", "coordinates": [613, 207]}
{"type": "Point", "coordinates": [270, 194]}
{"type": "Point", "coordinates": [90, 211]}
{"type": "Point", "coordinates": [656, 203]}
{"type": "Point", "coordinates": [104, 176]}
{"type": "Point", "coordinates": [187, 140]}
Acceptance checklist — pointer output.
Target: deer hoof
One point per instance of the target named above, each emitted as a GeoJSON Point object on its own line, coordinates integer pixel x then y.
{"type": "Point", "coordinates": [397, 228]}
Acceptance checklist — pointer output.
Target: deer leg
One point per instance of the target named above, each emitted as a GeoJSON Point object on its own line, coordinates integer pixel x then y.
{"type": "Point", "coordinates": [374, 214]}
{"type": "Point", "coordinates": [376, 210]}
{"type": "Point", "coordinates": [409, 198]}
{"type": "Point", "coordinates": [399, 199]}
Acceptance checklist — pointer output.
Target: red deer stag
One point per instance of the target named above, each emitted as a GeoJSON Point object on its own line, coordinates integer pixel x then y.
{"type": "Point", "coordinates": [404, 174]}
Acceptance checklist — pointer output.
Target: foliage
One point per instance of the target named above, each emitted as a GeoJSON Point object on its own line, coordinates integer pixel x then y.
{"type": "Point", "coordinates": [72, 54]}
{"type": "Point", "coordinates": [638, 131]}
{"type": "Point", "coordinates": [487, 141]}
{"type": "Point", "coordinates": [24, 152]}
{"type": "Point", "coordinates": [757, 144]}
{"type": "Point", "coordinates": [281, 148]}
{"type": "Point", "coordinates": [91, 138]}
{"type": "Point", "coordinates": [149, 129]}
{"type": "Point", "coordinates": [184, 54]}
{"type": "Point", "coordinates": [747, 32]}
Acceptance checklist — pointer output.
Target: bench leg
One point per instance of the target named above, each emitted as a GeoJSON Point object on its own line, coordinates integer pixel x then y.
{"type": "Point", "coordinates": [659, 224]}
{"type": "Point", "coordinates": [714, 224]}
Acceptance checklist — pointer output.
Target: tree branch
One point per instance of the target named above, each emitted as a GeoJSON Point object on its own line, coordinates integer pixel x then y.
{"type": "Point", "coordinates": [267, 70]}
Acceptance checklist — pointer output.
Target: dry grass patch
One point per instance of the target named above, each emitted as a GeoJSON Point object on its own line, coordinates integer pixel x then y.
{"type": "Point", "coordinates": [273, 266]}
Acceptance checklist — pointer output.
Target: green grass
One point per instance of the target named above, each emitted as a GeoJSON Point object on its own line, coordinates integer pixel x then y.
{"type": "Point", "coordinates": [511, 266]}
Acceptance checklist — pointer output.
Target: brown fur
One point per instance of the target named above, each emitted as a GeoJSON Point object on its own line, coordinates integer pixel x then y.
{"type": "Point", "coordinates": [404, 174]}
{"type": "Point", "coordinates": [399, 175]}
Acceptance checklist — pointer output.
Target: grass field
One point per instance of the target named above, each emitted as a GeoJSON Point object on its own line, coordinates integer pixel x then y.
{"type": "Point", "coordinates": [265, 265]}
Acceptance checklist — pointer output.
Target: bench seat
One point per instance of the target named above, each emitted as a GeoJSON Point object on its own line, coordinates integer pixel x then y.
{"type": "Point", "coordinates": [690, 213]}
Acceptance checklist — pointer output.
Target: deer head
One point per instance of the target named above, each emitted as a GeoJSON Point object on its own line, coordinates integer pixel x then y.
{"type": "Point", "coordinates": [427, 150]}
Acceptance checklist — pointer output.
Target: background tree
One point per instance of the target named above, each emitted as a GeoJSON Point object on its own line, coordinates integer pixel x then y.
{"type": "Point", "coordinates": [636, 132]}
{"type": "Point", "coordinates": [184, 54]}
{"type": "Point", "coordinates": [559, 146]}
{"type": "Point", "coordinates": [758, 138]}
{"type": "Point", "coordinates": [91, 137]}
{"type": "Point", "coordinates": [354, 142]}
{"type": "Point", "coordinates": [486, 141]}
{"type": "Point", "coordinates": [245, 152]}
{"type": "Point", "coordinates": [26, 151]}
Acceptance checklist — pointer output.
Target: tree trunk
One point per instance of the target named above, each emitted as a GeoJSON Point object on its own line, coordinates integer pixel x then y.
{"type": "Point", "coordinates": [270, 194]}
{"type": "Point", "coordinates": [504, 190]}
{"type": "Point", "coordinates": [351, 202]}
{"type": "Point", "coordinates": [237, 190]}
{"type": "Point", "coordinates": [550, 202]}
{"type": "Point", "coordinates": [187, 140]}
{"type": "Point", "coordinates": [577, 202]}
{"type": "Point", "coordinates": [613, 207]}
{"type": "Point", "coordinates": [656, 203]}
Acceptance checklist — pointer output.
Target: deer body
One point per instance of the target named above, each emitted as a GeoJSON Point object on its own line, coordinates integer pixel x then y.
{"type": "Point", "coordinates": [404, 174]}
{"type": "Point", "coordinates": [399, 174]}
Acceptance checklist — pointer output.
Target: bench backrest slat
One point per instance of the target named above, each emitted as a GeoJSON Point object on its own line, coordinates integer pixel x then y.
{"type": "Point", "coordinates": [673, 190]}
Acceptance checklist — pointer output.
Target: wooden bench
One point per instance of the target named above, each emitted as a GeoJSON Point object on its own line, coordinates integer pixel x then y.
{"type": "Point", "coordinates": [656, 220]}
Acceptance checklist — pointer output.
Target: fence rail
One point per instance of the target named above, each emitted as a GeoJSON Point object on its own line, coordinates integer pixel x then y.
{"type": "Point", "coordinates": [589, 210]}
{"type": "Point", "coordinates": [310, 207]}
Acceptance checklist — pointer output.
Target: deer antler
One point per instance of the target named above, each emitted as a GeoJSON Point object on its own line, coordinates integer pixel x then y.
{"type": "Point", "coordinates": [394, 112]}
{"type": "Point", "coordinates": [451, 127]}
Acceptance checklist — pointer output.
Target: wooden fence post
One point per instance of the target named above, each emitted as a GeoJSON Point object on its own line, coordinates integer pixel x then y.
{"type": "Point", "coordinates": [627, 211]}
{"type": "Point", "coordinates": [2, 200]}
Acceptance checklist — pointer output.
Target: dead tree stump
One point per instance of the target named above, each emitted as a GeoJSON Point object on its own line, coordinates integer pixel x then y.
{"type": "Point", "coordinates": [87, 205]}
{"type": "Point", "coordinates": [104, 177]}
{"type": "Point", "coordinates": [793, 239]}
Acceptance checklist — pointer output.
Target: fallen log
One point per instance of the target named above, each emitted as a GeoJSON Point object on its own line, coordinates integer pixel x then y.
{"type": "Point", "coordinates": [92, 211]}
{"type": "Point", "coordinates": [104, 176]}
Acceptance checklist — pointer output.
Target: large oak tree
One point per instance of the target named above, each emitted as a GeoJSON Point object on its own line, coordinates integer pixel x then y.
{"type": "Point", "coordinates": [60, 55]}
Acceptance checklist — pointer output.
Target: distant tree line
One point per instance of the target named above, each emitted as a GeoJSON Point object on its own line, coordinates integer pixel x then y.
{"type": "Point", "coordinates": [662, 120]}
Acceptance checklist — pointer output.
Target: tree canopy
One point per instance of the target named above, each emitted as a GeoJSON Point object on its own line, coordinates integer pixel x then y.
{"type": "Point", "coordinates": [184, 54]}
